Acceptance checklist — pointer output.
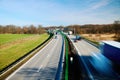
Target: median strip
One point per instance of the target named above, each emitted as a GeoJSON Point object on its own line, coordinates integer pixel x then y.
{"type": "Point", "coordinates": [66, 56]}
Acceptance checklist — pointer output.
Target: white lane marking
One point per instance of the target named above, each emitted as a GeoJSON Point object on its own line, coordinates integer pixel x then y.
{"type": "Point", "coordinates": [40, 68]}
{"type": "Point", "coordinates": [28, 61]}
{"type": "Point", "coordinates": [48, 56]}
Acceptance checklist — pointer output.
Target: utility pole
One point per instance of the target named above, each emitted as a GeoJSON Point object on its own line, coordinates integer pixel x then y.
{"type": "Point", "coordinates": [74, 30]}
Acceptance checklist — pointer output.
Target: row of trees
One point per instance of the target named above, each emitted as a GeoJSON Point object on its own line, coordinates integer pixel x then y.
{"type": "Point", "coordinates": [21, 30]}
{"type": "Point", "coordinates": [96, 29]}
{"type": "Point", "coordinates": [77, 29]}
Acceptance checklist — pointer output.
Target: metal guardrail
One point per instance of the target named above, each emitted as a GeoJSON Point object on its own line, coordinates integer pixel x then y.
{"type": "Point", "coordinates": [58, 74]}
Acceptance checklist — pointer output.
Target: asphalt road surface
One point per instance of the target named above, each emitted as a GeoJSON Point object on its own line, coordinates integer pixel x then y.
{"type": "Point", "coordinates": [42, 66]}
{"type": "Point", "coordinates": [98, 67]}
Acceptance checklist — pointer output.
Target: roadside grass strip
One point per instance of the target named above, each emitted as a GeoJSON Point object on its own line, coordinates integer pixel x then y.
{"type": "Point", "coordinates": [11, 50]}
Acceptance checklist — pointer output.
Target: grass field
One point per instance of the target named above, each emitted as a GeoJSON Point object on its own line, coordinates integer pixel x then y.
{"type": "Point", "coordinates": [13, 46]}
{"type": "Point", "coordinates": [99, 37]}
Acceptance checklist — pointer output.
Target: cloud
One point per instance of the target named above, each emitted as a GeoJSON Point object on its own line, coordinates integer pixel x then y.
{"type": "Point", "coordinates": [100, 4]}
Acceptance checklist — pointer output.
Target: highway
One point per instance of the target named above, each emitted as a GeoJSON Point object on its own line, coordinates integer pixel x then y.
{"type": "Point", "coordinates": [97, 66]}
{"type": "Point", "coordinates": [43, 65]}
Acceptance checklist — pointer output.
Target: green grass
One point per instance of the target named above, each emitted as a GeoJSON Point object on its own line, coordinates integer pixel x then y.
{"type": "Point", "coordinates": [6, 38]}
{"type": "Point", "coordinates": [13, 46]}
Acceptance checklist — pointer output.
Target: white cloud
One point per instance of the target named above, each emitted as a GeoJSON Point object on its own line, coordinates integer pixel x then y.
{"type": "Point", "coordinates": [102, 3]}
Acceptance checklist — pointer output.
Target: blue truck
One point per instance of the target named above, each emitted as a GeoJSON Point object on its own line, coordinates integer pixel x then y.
{"type": "Point", "coordinates": [77, 37]}
{"type": "Point", "coordinates": [111, 50]}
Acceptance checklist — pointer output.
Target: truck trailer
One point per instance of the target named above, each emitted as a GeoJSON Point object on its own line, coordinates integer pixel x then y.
{"type": "Point", "coordinates": [111, 50]}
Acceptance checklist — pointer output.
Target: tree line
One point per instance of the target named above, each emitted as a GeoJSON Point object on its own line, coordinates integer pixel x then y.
{"type": "Point", "coordinates": [96, 29]}
{"type": "Point", "coordinates": [77, 29]}
{"type": "Point", "coordinates": [13, 29]}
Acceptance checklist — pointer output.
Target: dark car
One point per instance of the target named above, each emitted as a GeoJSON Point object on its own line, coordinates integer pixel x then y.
{"type": "Point", "coordinates": [78, 37]}
{"type": "Point", "coordinates": [55, 37]}
{"type": "Point", "coordinates": [75, 40]}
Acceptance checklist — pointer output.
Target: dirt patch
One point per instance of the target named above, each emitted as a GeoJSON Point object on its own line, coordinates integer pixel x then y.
{"type": "Point", "coordinates": [99, 37]}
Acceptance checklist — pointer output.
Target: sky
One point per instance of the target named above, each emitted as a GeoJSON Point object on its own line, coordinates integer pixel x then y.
{"type": "Point", "coordinates": [58, 12]}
